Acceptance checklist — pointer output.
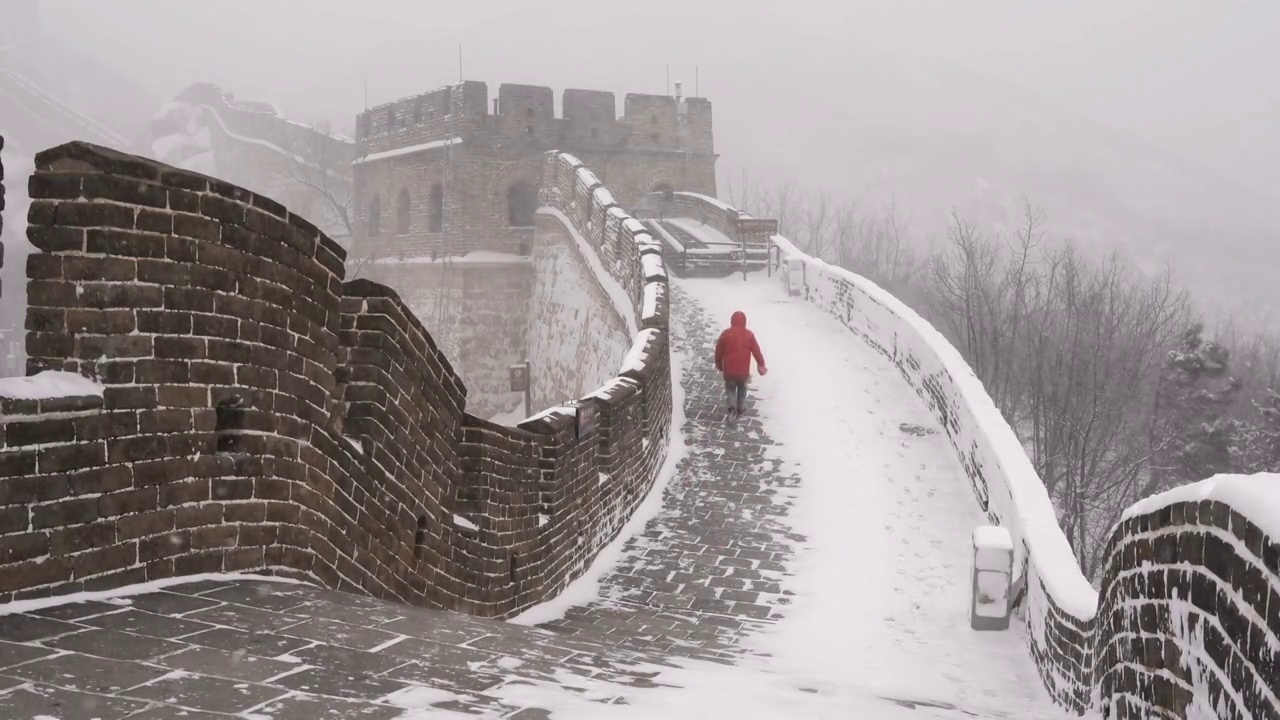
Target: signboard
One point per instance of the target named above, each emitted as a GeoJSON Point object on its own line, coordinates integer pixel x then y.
{"type": "Point", "coordinates": [586, 418]}
{"type": "Point", "coordinates": [519, 374]}
{"type": "Point", "coordinates": [756, 226]}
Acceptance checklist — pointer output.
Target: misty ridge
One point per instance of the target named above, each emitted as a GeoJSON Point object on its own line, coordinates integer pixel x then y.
{"type": "Point", "coordinates": [1117, 298]}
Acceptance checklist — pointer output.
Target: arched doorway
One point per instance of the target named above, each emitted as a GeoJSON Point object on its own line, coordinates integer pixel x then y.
{"type": "Point", "coordinates": [522, 203]}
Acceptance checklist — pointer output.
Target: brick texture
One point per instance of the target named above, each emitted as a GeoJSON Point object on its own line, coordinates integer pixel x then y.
{"type": "Point", "coordinates": [261, 414]}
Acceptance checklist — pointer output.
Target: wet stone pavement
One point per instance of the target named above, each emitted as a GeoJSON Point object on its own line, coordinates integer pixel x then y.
{"type": "Point", "coordinates": [708, 570]}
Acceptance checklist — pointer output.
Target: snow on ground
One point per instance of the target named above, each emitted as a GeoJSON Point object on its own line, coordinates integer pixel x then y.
{"type": "Point", "coordinates": [884, 584]}
{"type": "Point", "coordinates": [48, 384]}
{"type": "Point", "coordinates": [879, 623]}
{"type": "Point", "coordinates": [705, 233]}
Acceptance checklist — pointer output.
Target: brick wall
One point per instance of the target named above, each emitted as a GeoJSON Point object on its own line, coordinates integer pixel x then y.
{"type": "Point", "coordinates": [261, 414]}
{"type": "Point", "coordinates": [1189, 606]}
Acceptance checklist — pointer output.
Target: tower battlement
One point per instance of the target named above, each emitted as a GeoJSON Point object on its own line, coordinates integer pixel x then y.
{"type": "Point", "coordinates": [588, 121]}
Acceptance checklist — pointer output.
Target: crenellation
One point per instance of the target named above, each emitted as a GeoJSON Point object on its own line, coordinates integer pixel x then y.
{"type": "Point", "coordinates": [589, 119]}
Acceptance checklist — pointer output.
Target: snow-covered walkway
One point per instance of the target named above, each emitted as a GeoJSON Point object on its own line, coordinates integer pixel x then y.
{"type": "Point", "coordinates": [882, 582]}
{"type": "Point", "coordinates": [869, 515]}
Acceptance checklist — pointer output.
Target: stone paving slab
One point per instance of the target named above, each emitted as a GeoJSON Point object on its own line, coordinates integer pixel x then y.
{"type": "Point", "coordinates": [706, 572]}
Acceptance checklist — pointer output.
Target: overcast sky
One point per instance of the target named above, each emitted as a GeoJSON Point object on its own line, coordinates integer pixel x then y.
{"type": "Point", "coordinates": [1190, 75]}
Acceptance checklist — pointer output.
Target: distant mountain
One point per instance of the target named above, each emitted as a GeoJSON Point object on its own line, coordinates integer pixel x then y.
{"type": "Point", "coordinates": [51, 93]}
{"type": "Point", "coordinates": [934, 136]}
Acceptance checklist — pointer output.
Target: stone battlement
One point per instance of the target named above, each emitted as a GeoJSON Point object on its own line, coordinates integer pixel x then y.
{"type": "Point", "coordinates": [589, 122]}
{"type": "Point", "coordinates": [260, 414]}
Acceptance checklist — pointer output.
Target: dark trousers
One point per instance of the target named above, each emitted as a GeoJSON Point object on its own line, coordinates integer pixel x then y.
{"type": "Point", "coordinates": [735, 389]}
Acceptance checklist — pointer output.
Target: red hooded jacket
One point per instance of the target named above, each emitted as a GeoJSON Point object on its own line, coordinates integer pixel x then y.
{"type": "Point", "coordinates": [736, 347]}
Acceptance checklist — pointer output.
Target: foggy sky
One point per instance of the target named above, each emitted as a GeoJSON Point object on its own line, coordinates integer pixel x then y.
{"type": "Point", "coordinates": [1193, 76]}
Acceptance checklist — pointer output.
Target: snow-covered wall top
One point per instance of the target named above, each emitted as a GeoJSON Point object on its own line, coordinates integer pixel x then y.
{"type": "Point", "coordinates": [253, 411]}
{"type": "Point", "coordinates": [1188, 616]}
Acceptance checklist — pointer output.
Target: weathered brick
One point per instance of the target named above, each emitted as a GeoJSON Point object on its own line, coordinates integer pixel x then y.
{"type": "Point", "coordinates": [133, 449]}
{"type": "Point", "coordinates": [100, 322]}
{"type": "Point", "coordinates": [162, 546]}
{"type": "Point", "coordinates": [39, 431]}
{"type": "Point", "coordinates": [101, 295]}
{"type": "Point", "coordinates": [164, 322]}
{"type": "Point", "coordinates": [100, 480]}
{"type": "Point", "coordinates": [57, 238]}
{"type": "Point", "coordinates": [107, 269]}
{"type": "Point", "coordinates": [123, 243]}
{"type": "Point", "coordinates": [105, 560]}
{"type": "Point", "coordinates": [24, 546]}
{"type": "Point", "coordinates": [94, 214]}
{"type": "Point", "coordinates": [154, 221]}
{"type": "Point", "coordinates": [145, 524]}
{"type": "Point", "coordinates": [126, 398]}
{"type": "Point", "coordinates": [52, 293]}
{"type": "Point", "coordinates": [68, 540]}
{"type": "Point", "coordinates": [67, 458]}
{"type": "Point", "coordinates": [106, 425]}
{"type": "Point", "coordinates": [14, 519]}
{"type": "Point", "coordinates": [199, 515]}
{"type": "Point", "coordinates": [196, 227]}
{"type": "Point", "coordinates": [64, 512]}
{"type": "Point", "coordinates": [218, 536]}
{"type": "Point", "coordinates": [183, 491]}
{"type": "Point", "coordinates": [14, 463]}
{"type": "Point", "coordinates": [44, 267]}
{"type": "Point", "coordinates": [127, 502]}
{"type": "Point", "coordinates": [48, 320]}
{"type": "Point", "coordinates": [125, 190]}
{"type": "Point", "coordinates": [34, 573]}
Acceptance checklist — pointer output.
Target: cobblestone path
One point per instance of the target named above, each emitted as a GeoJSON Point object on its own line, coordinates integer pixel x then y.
{"type": "Point", "coordinates": [706, 572]}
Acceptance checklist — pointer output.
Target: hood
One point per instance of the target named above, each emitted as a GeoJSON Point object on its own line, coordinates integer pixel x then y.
{"type": "Point", "coordinates": [738, 319]}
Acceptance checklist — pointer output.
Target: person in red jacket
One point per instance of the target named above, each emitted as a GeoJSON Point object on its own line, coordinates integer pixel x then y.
{"type": "Point", "coordinates": [734, 350]}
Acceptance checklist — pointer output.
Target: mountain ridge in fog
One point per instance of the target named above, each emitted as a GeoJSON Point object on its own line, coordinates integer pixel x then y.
{"type": "Point", "coordinates": [932, 136]}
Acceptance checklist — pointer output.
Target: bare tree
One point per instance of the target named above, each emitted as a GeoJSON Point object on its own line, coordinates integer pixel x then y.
{"type": "Point", "coordinates": [321, 163]}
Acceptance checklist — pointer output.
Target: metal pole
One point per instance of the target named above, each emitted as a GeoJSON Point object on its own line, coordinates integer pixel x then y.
{"type": "Point", "coordinates": [528, 390]}
{"type": "Point", "coordinates": [668, 79]}
{"type": "Point", "coordinates": [459, 62]}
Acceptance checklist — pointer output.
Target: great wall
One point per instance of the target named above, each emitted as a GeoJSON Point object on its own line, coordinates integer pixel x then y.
{"type": "Point", "coordinates": [259, 412]}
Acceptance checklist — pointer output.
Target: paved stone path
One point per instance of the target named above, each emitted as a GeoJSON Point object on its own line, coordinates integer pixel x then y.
{"type": "Point", "coordinates": [706, 572]}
